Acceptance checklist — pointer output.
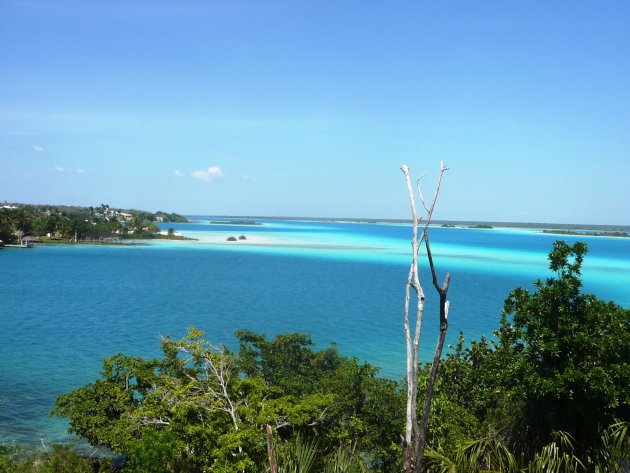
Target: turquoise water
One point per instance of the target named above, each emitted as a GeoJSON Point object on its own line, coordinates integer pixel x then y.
{"type": "Point", "coordinates": [64, 308]}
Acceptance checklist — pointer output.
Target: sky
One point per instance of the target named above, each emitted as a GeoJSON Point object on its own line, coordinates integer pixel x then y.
{"type": "Point", "coordinates": [309, 108]}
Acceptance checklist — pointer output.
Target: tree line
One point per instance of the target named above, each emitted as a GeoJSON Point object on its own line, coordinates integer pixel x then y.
{"type": "Point", "coordinates": [78, 223]}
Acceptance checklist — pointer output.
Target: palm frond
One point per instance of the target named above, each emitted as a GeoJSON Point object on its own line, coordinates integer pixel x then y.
{"type": "Point", "coordinates": [300, 457]}
{"type": "Point", "coordinates": [343, 461]}
{"type": "Point", "coordinates": [435, 462]}
{"type": "Point", "coordinates": [557, 457]}
{"type": "Point", "coordinates": [615, 451]}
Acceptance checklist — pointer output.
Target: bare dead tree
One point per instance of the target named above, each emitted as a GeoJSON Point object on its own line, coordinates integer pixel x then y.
{"type": "Point", "coordinates": [414, 441]}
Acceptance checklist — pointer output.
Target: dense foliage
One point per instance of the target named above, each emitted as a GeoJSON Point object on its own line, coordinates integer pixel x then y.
{"type": "Point", "coordinates": [58, 459]}
{"type": "Point", "coordinates": [560, 362]}
{"type": "Point", "coordinates": [550, 392]}
{"type": "Point", "coordinates": [78, 223]}
{"type": "Point", "coordinates": [202, 408]}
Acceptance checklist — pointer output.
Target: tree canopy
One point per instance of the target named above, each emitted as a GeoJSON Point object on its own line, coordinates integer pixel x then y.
{"type": "Point", "coordinates": [78, 223]}
{"type": "Point", "coordinates": [201, 407]}
{"type": "Point", "coordinates": [560, 362]}
{"type": "Point", "coordinates": [570, 354]}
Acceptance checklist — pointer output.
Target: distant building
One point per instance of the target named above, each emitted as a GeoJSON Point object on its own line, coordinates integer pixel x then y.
{"type": "Point", "coordinates": [27, 241]}
{"type": "Point", "coordinates": [110, 240]}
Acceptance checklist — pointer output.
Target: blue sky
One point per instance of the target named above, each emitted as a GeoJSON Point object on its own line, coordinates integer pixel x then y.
{"type": "Point", "coordinates": [308, 108]}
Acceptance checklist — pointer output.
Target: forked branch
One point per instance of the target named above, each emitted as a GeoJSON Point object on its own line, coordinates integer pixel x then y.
{"type": "Point", "coordinates": [415, 433]}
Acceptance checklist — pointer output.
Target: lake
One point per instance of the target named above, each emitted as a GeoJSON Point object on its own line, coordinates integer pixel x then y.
{"type": "Point", "coordinates": [63, 308]}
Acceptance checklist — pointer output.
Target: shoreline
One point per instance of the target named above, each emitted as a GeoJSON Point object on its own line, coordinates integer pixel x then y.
{"type": "Point", "coordinates": [391, 221]}
{"type": "Point", "coordinates": [284, 239]}
{"type": "Point", "coordinates": [606, 231]}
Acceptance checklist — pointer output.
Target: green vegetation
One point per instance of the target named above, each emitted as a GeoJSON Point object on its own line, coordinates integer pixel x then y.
{"type": "Point", "coordinates": [200, 407]}
{"type": "Point", "coordinates": [548, 393]}
{"type": "Point", "coordinates": [59, 459]}
{"type": "Point", "coordinates": [233, 238]}
{"type": "Point", "coordinates": [491, 455]}
{"type": "Point", "coordinates": [615, 234]}
{"type": "Point", "coordinates": [560, 362]}
{"type": "Point", "coordinates": [169, 217]}
{"type": "Point", "coordinates": [482, 226]}
{"type": "Point", "coordinates": [48, 223]}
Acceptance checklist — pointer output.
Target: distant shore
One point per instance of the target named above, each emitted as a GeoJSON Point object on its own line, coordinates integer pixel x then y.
{"type": "Point", "coordinates": [128, 240]}
{"type": "Point", "coordinates": [235, 222]}
{"type": "Point", "coordinates": [576, 227]}
{"type": "Point", "coordinates": [612, 234]}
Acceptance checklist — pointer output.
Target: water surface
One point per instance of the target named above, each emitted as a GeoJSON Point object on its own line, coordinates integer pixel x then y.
{"type": "Point", "coordinates": [64, 308]}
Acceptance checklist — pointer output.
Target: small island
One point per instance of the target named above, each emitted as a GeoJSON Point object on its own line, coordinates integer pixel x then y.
{"type": "Point", "coordinates": [235, 222]}
{"type": "Point", "coordinates": [233, 238]}
{"type": "Point", "coordinates": [614, 234]}
{"type": "Point", "coordinates": [24, 224]}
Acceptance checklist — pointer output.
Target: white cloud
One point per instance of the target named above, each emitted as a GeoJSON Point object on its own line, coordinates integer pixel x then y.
{"type": "Point", "coordinates": [70, 170]}
{"type": "Point", "coordinates": [249, 178]}
{"type": "Point", "coordinates": [177, 173]}
{"type": "Point", "coordinates": [38, 149]}
{"type": "Point", "coordinates": [211, 174]}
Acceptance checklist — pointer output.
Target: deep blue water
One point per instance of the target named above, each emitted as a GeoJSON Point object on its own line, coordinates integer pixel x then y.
{"type": "Point", "coordinates": [64, 308]}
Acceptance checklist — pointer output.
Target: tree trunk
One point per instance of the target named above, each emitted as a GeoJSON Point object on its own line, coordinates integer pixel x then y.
{"type": "Point", "coordinates": [414, 441]}
{"type": "Point", "coordinates": [271, 453]}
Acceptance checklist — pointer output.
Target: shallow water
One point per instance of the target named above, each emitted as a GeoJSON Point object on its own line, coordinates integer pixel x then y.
{"type": "Point", "coordinates": [64, 308]}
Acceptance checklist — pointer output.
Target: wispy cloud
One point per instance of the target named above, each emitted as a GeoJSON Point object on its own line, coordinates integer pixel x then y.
{"type": "Point", "coordinates": [38, 122]}
{"type": "Point", "coordinates": [70, 170]}
{"type": "Point", "coordinates": [209, 175]}
{"type": "Point", "coordinates": [248, 178]}
{"type": "Point", "coordinates": [177, 173]}
{"type": "Point", "coordinates": [38, 149]}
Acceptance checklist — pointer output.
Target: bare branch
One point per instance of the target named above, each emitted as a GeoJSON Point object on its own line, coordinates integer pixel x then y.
{"type": "Point", "coordinates": [146, 421]}
{"type": "Point", "coordinates": [413, 281]}
{"type": "Point", "coordinates": [415, 433]}
{"type": "Point", "coordinates": [281, 424]}
{"type": "Point", "coordinates": [419, 190]}
{"type": "Point", "coordinates": [439, 289]}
